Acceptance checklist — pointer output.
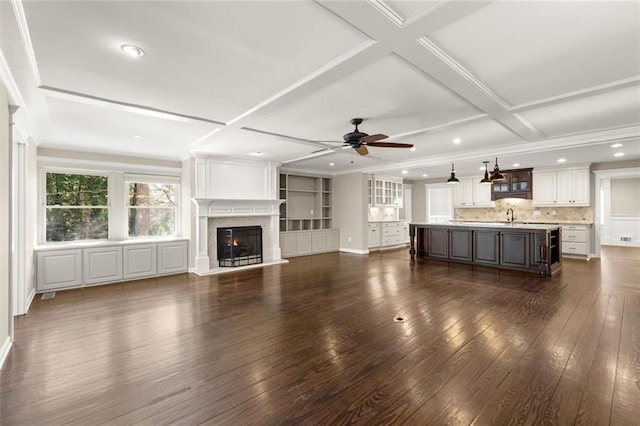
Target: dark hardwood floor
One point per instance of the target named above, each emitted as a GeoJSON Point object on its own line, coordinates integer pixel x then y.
{"type": "Point", "coordinates": [315, 342]}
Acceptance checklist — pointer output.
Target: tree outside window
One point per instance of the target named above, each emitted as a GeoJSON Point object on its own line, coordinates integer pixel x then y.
{"type": "Point", "coordinates": [76, 207]}
{"type": "Point", "coordinates": [152, 209]}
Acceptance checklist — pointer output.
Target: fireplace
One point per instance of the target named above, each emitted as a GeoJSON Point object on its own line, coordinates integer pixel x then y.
{"type": "Point", "coordinates": [239, 246]}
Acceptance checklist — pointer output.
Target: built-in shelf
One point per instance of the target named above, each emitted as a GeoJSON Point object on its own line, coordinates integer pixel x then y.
{"type": "Point", "coordinates": [307, 203]}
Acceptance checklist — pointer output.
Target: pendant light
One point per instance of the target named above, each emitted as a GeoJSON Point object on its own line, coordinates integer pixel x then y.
{"type": "Point", "coordinates": [496, 175]}
{"type": "Point", "coordinates": [453, 178]}
{"type": "Point", "coordinates": [485, 180]}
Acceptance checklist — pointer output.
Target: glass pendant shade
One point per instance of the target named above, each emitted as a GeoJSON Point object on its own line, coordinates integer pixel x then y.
{"type": "Point", "coordinates": [453, 178]}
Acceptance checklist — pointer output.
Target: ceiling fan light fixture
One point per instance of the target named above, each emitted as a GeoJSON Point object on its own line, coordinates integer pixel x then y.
{"type": "Point", "coordinates": [486, 180]}
{"type": "Point", "coordinates": [453, 179]}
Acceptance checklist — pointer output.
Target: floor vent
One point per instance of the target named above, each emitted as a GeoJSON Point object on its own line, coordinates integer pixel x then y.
{"type": "Point", "coordinates": [626, 239]}
{"type": "Point", "coordinates": [399, 318]}
{"type": "Point", "coordinates": [48, 295]}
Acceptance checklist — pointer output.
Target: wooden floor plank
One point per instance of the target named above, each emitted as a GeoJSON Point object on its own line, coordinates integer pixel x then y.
{"type": "Point", "coordinates": [314, 342]}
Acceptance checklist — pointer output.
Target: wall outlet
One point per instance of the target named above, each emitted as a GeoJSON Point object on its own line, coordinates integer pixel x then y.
{"type": "Point", "coordinates": [311, 212]}
{"type": "Point", "coordinates": [536, 212]}
{"type": "Point", "coordinates": [553, 212]}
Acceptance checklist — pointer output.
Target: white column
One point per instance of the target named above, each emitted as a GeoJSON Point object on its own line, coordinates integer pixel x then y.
{"type": "Point", "coordinates": [202, 255]}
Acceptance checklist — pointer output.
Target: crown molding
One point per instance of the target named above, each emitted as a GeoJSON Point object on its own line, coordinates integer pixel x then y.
{"type": "Point", "coordinates": [306, 79]}
{"type": "Point", "coordinates": [21, 20]}
{"type": "Point", "coordinates": [429, 10]}
{"type": "Point", "coordinates": [22, 118]}
{"type": "Point", "coordinates": [462, 71]}
{"type": "Point", "coordinates": [388, 12]}
{"type": "Point", "coordinates": [577, 94]}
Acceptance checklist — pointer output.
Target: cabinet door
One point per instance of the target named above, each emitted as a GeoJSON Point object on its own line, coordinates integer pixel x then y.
{"type": "Point", "coordinates": [564, 185]}
{"type": "Point", "coordinates": [374, 236]}
{"type": "Point", "coordinates": [481, 194]}
{"type": "Point", "coordinates": [514, 249]}
{"type": "Point", "coordinates": [438, 244]}
{"type": "Point", "coordinates": [332, 239]}
{"type": "Point", "coordinates": [287, 244]}
{"type": "Point", "coordinates": [460, 244]}
{"type": "Point", "coordinates": [463, 193]}
{"type": "Point", "coordinates": [318, 242]}
{"type": "Point", "coordinates": [303, 243]}
{"type": "Point", "coordinates": [404, 235]}
{"type": "Point", "coordinates": [485, 247]}
{"type": "Point", "coordinates": [580, 193]}
{"type": "Point", "coordinates": [59, 269]}
{"type": "Point", "coordinates": [102, 265]}
{"type": "Point", "coordinates": [172, 257]}
{"type": "Point", "coordinates": [544, 188]}
{"type": "Point", "coordinates": [140, 261]}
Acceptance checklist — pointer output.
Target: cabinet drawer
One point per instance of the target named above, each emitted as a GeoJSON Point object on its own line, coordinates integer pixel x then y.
{"type": "Point", "coordinates": [395, 231]}
{"type": "Point", "coordinates": [574, 235]}
{"type": "Point", "coordinates": [391, 241]}
{"type": "Point", "coordinates": [574, 248]}
{"type": "Point", "coordinates": [390, 224]}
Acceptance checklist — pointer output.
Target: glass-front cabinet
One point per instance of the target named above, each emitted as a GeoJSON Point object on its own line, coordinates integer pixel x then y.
{"type": "Point", "coordinates": [517, 183]}
{"type": "Point", "coordinates": [384, 192]}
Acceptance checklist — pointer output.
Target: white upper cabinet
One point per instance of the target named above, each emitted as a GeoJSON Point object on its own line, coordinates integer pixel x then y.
{"type": "Point", "coordinates": [385, 191]}
{"type": "Point", "coordinates": [470, 193]}
{"type": "Point", "coordinates": [563, 187]}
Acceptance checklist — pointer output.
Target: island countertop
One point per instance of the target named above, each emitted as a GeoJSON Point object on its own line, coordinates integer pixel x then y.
{"type": "Point", "coordinates": [497, 225]}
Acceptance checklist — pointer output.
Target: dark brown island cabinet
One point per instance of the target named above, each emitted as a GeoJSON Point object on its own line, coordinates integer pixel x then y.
{"type": "Point", "coordinates": [531, 248]}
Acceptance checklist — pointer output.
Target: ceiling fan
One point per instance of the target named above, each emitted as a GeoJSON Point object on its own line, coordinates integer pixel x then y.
{"type": "Point", "coordinates": [359, 141]}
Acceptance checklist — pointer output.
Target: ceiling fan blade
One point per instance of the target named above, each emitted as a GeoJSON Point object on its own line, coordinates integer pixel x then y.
{"type": "Point", "coordinates": [362, 150]}
{"type": "Point", "coordinates": [390, 144]}
{"type": "Point", "coordinates": [373, 138]}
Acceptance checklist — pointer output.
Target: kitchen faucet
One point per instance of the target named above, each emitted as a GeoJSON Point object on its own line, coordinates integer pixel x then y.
{"type": "Point", "coordinates": [512, 218]}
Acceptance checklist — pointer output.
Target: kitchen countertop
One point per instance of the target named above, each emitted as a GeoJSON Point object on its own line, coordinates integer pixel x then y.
{"type": "Point", "coordinates": [499, 225]}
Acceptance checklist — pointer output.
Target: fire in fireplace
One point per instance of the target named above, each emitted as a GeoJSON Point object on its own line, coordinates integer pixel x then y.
{"type": "Point", "coordinates": [239, 246]}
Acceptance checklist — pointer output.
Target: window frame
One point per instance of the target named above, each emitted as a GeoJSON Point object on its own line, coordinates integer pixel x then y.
{"type": "Point", "coordinates": [152, 179]}
{"type": "Point", "coordinates": [42, 202]}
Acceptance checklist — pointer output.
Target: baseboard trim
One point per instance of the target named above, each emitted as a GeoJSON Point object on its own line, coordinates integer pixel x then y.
{"type": "Point", "coordinates": [4, 350]}
{"type": "Point", "coordinates": [27, 305]}
{"type": "Point", "coordinates": [354, 251]}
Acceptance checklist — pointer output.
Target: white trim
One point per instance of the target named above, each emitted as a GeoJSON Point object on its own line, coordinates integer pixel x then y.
{"type": "Point", "coordinates": [4, 350]}
{"type": "Point", "coordinates": [461, 71]}
{"type": "Point", "coordinates": [354, 251]}
{"type": "Point", "coordinates": [217, 271]}
{"type": "Point", "coordinates": [21, 20]}
{"type": "Point", "coordinates": [29, 300]}
{"type": "Point", "coordinates": [388, 12]}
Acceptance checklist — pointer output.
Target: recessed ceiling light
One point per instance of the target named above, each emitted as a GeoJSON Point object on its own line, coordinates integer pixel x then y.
{"type": "Point", "coordinates": [561, 160]}
{"type": "Point", "coordinates": [404, 172]}
{"type": "Point", "coordinates": [425, 175]}
{"type": "Point", "coordinates": [413, 148]}
{"type": "Point", "coordinates": [457, 140]}
{"type": "Point", "coordinates": [137, 136]}
{"type": "Point", "coordinates": [481, 168]}
{"type": "Point", "coordinates": [257, 153]}
{"type": "Point", "coordinates": [332, 164]}
{"type": "Point", "coordinates": [616, 145]}
{"type": "Point", "coordinates": [619, 154]}
{"type": "Point", "coordinates": [516, 164]}
{"type": "Point", "coordinates": [131, 50]}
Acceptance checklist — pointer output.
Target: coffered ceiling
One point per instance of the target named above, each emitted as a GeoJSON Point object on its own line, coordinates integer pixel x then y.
{"type": "Point", "coordinates": [528, 82]}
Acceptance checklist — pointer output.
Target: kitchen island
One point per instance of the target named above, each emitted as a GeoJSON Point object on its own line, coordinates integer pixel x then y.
{"type": "Point", "coordinates": [524, 247]}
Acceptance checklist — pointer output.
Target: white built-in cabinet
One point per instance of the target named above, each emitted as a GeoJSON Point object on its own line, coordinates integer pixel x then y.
{"type": "Point", "coordinates": [384, 191]}
{"type": "Point", "coordinates": [575, 240]}
{"type": "Point", "coordinates": [305, 215]}
{"type": "Point", "coordinates": [387, 234]}
{"type": "Point", "coordinates": [561, 187]}
{"type": "Point", "coordinates": [471, 193]}
{"type": "Point", "coordinates": [63, 268]}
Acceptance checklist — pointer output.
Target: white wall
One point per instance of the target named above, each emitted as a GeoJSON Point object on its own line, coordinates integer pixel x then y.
{"type": "Point", "coordinates": [350, 211]}
{"type": "Point", "coordinates": [625, 197]}
{"type": "Point", "coordinates": [5, 226]}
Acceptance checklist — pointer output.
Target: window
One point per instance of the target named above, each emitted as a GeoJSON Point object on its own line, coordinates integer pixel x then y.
{"type": "Point", "coordinates": [151, 208]}
{"type": "Point", "coordinates": [76, 207]}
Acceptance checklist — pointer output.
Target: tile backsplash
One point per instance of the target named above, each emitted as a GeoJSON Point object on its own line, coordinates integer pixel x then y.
{"type": "Point", "coordinates": [523, 211]}
{"type": "Point", "coordinates": [379, 214]}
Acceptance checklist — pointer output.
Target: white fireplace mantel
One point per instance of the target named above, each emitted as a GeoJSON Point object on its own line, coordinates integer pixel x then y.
{"type": "Point", "coordinates": [207, 208]}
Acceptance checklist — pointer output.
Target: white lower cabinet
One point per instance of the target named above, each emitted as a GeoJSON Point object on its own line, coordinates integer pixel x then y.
{"type": "Point", "coordinates": [59, 269]}
{"type": "Point", "coordinates": [108, 263]}
{"type": "Point", "coordinates": [172, 257]}
{"type": "Point", "coordinates": [301, 243]}
{"type": "Point", "coordinates": [102, 265]}
{"type": "Point", "coordinates": [140, 261]}
{"type": "Point", "coordinates": [388, 234]}
{"type": "Point", "coordinates": [575, 240]}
